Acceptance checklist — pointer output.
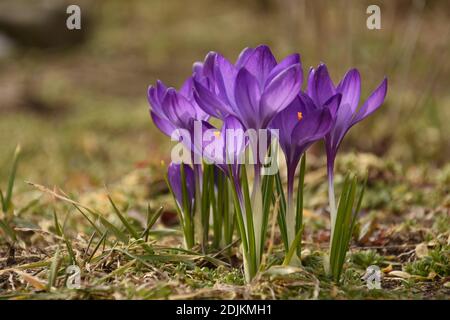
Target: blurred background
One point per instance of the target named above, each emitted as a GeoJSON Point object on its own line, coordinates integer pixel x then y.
{"type": "Point", "coordinates": [76, 100]}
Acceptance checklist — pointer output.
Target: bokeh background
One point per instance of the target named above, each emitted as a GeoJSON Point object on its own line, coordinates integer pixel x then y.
{"type": "Point", "coordinates": [76, 100]}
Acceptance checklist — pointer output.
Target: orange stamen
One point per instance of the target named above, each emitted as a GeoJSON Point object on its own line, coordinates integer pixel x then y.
{"type": "Point", "coordinates": [299, 116]}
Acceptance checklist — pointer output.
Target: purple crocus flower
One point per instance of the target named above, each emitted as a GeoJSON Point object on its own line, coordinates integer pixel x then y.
{"type": "Point", "coordinates": [171, 109]}
{"type": "Point", "coordinates": [320, 88]}
{"type": "Point", "coordinates": [254, 89]}
{"type": "Point", "coordinates": [225, 148]}
{"type": "Point", "coordinates": [300, 125]}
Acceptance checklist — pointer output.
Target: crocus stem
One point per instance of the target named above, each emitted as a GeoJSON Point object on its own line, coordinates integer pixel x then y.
{"type": "Point", "coordinates": [331, 196]}
{"type": "Point", "coordinates": [290, 213]}
{"type": "Point", "coordinates": [291, 216]}
{"type": "Point", "coordinates": [198, 228]}
{"type": "Point", "coordinates": [257, 209]}
{"type": "Point", "coordinates": [240, 217]}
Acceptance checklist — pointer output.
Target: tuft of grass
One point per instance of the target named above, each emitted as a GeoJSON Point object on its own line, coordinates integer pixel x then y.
{"type": "Point", "coordinates": [6, 199]}
{"type": "Point", "coordinates": [437, 262]}
{"type": "Point", "coordinates": [53, 271]}
{"type": "Point", "coordinates": [347, 211]}
{"type": "Point", "coordinates": [366, 258]}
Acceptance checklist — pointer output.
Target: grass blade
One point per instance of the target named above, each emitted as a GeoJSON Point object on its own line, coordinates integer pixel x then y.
{"type": "Point", "coordinates": [12, 177]}
{"type": "Point", "coordinates": [124, 221]}
{"type": "Point", "coordinates": [114, 230]}
{"type": "Point", "coordinates": [282, 210]}
{"type": "Point", "coordinates": [151, 220]}
{"type": "Point", "coordinates": [53, 273]}
{"type": "Point", "coordinates": [102, 239]}
{"type": "Point", "coordinates": [57, 225]}
{"type": "Point", "coordinates": [238, 210]}
{"type": "Point", "coordinates": [338, 226]}
{"type": "Point", "coordinates": [73, 260]}
{"type": "Point", "coordinates": [8, 230]}
{"type": "Point", "coordinates": [2, 200]}
{"type": "Point", "coordinates": [87, 218]}
{"type": "Point", "coordinates": [345, 221]}
{"type": "Point", "coordinates": [294, 246]}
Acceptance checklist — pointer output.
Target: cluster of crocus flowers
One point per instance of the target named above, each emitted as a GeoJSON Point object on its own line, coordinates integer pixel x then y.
{"type": "Point", "coordinates": [256, 93]}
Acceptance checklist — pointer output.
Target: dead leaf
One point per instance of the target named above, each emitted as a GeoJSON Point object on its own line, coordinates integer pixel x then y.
{"type": "Point", "coordinates": [387, 269]}
{"type": "Point", "coordinates": [32, 280]}
{"type": "Point", "coordinates": [432, 275]}
{"type": "Point", "coordinates": [305, 252]}
{"type": "Point", "coordinates": [421, 250]}
{"type": "Point", "coordinates": [281, 270]}
{"type": "Point", "coordinates": [399, 274]}
{"type": "Point", "coordinates": [367, 229]}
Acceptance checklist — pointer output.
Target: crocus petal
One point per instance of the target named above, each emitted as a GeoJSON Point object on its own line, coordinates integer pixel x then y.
{"type": "Point", "coordinates": [342, 120]}
{"type": "Point", "coordinates": [233, 129]}
{"type": "Point", "coordinates": [301, 124]}
{"type": "Point", "coordinates": [160, 89]}
{"type": "Point", "coordinates": [153, 99]}
{"type": "Point", "coordinates": [197, 70]}
{"type": "Point", "coordinates": [312, 127]}
{"type": "Point", "coordinates": [234, 145]}
{"type": "Point", "coordinates": [155, 96]}
{"type": "Point", "coordinates": [307, 101]}
{"type": "Point", "coordinates": [372, 103]}
{"type": "Point", "coordinates": [310, 84]}
{"type": "Point", "coordinates": [350, 88]}
{"type": "Point", "coordinates": [219, 149]}
{"type": "Point", "coordinates": [162, 124]}
{"type": "Point", "coordinates": [209, 65]}
{"type": "Point", "coordinates": [286, 120]}
{"type": "Point", "coordinates": [225, 74]}
{"type": "Point", "coordinates": [285, 63]}
{"type": "Point", "coordinates": [175, 181]}
{"type": "Point", "coordinates": [243, 56]}
{"type": "Point", "coordinates": [212, 144]}
{"type": "Point", "coordinates": [322, 87]}
{"type": "Point", "coordinates": [187, 88]}
{"type": "Point", "coordinates": [334, 104]}
{"type": "Point", "coordinates": [280, 92]}
{"type": "Point", "coordinates": [209, 102]}
{"type": "Point", "coordinates": [177, 108]}
{"type": "Point", "coordinates": [247, 95]}
{"type": "Point", "coordinates": [260, 63]}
